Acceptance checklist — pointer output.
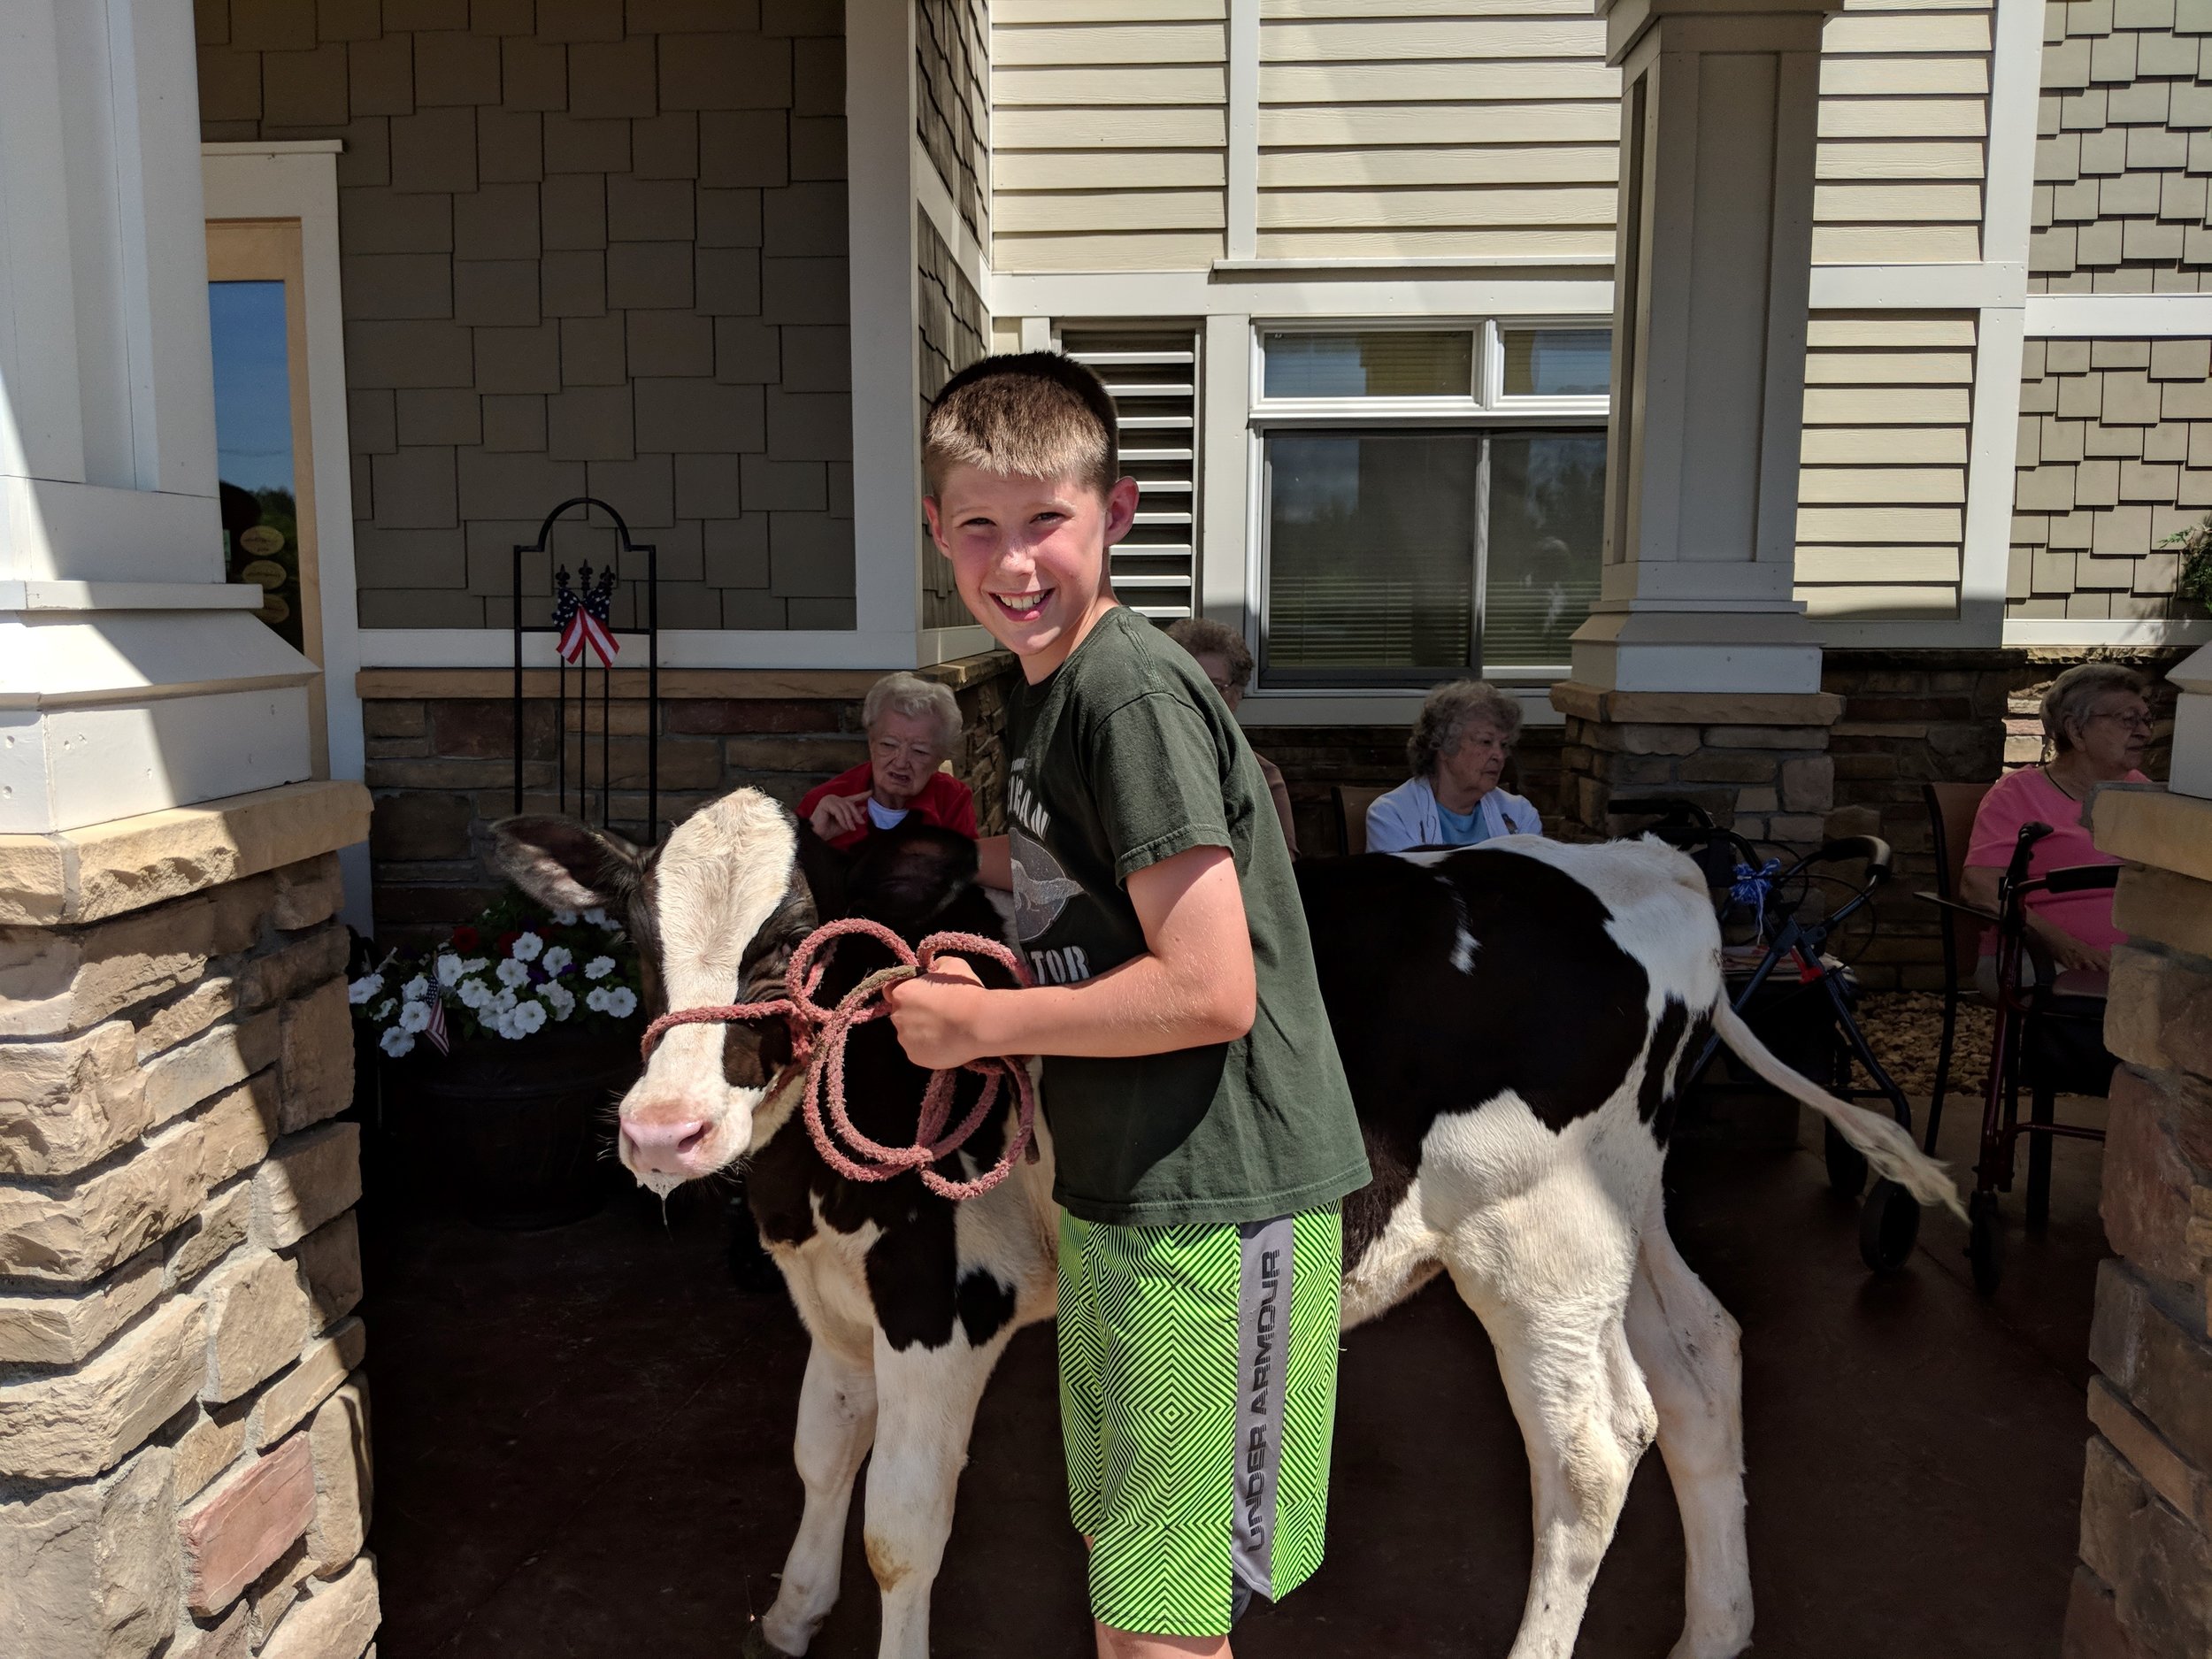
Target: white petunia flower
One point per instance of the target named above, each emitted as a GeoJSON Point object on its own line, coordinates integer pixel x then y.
{"type": "Point", "coordinates": [622, 1001]}
{"type": "Point", "coordinates": [476, 964]}
{"type": "Point", "coordinates": [504, 1002]}
{"type": "Point", "coordinates": [448, 969]}
{"type": "Point", "coordinates": [599, 967]}
{"type": "Point", "coordinates": [513, 972]}
{"type": "Point", "coordinates": [596, 999]}
{"type": "Point", "coordinates": [597, 918]}
{"type": "Point", "coordinates": [555, 959]}
{"type": "Point", "coordinates": [559, 998]}
{"type": "Point", "coordinates": [415, 1016]}
{"type": "Point", "coordinates": [527, 946]}
{"type": "Point", "coordinates": [565, 919]}
{"type": "Point", "coordinates": [474, 994]}
{"type": "Point", "coordinates": [528, 1017]}
{"type": "Point", "coordinates": [415, 989]}
{"type": "Point", "coordinates": [383, 1010]}
{"type": "Point", "coordinates": [396, 1042]}
{"type": "Point", "coordinates": [365, 988]}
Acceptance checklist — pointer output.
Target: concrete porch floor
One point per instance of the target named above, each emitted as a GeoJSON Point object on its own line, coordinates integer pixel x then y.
{"type": "Point", "coordinates": [582, 1442]}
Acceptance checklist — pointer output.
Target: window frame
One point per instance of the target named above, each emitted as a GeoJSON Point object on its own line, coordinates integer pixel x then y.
{"type": "Point", "coordinates": [1486, 412]}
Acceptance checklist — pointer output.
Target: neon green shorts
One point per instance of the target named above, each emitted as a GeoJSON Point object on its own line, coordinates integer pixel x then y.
{"type": "Point", "coordinates": [1197, 1401]}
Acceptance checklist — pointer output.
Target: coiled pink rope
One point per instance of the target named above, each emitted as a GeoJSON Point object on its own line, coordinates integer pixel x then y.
{"type": "Point", "coordinates": [819, 1036]}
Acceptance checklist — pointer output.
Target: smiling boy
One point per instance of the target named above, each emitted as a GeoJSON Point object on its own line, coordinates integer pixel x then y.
{"type": "Point", "coordinates": [1203, 1130]}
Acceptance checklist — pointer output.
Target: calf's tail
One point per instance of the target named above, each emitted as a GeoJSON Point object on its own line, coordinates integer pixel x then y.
{"type": "Point", "coordinates": [1889, 1149]}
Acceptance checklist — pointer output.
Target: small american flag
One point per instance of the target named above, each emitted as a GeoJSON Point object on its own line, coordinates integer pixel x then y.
{"type": "Point", "coordinates": [582, 616]}
{"type": "Point", "coordinates": [435, 1030]}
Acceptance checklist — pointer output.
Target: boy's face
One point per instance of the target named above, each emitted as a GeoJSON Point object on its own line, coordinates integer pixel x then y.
{"type": "Point", "coordinates": [1029, 556]}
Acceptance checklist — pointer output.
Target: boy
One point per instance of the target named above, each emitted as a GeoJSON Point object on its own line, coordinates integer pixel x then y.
{"type": "Point", "coordinates": [1202, 1127]}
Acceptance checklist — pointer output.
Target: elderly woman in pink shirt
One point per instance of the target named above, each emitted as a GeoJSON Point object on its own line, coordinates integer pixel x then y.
{"type": "Point", "coordinates": [2095, 723]}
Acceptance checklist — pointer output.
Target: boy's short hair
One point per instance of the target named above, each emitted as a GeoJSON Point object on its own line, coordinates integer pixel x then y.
{"type": "Point", "coordinates": [1031, 414]}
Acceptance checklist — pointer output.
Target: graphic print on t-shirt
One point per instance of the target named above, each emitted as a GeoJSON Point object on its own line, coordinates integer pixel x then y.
{"type": "Point", "coordinates": [1041, 887]}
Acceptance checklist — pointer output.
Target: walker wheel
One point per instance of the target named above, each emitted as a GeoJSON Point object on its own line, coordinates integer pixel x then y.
{"type": "Point", "coordinates": [1889, 1222]}
{"type": "Point", "coordinates": [1984, 1243]}
{"type": "Point", "coordinates": [1847, 1164]}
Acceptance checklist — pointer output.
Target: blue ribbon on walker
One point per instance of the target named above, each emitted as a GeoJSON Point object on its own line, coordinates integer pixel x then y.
{"type": "Point", "coordinates": [1751, 887]}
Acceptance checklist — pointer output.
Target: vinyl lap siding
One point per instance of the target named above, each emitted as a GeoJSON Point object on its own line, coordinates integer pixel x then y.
{"type": "Point", "coordinates": [1881, 514]}
{"type": "Point", "coordinates": [1904, 117]}
{"type": "Point", "coordinates": [1109, 128]}
{"type": "Point", "coordinates": [1441, 129]}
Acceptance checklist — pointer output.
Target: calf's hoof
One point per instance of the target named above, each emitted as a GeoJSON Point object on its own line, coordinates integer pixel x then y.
{"type": "Point", "coordinates": [756, 1645]}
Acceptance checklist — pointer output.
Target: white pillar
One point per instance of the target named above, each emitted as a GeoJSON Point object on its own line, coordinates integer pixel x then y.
{"type": "Point", "coordinates": [132, 676]}
{"type": "Point", "coordinates": [1717, 124]}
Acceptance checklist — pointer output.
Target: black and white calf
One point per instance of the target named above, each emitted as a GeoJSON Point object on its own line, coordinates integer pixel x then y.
{"type": "Point", "coordinates": [1512, 1018]}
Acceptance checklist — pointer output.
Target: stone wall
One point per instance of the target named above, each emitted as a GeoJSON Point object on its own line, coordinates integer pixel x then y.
{"type": "Point", "coordinates": [2143, 1587]}
{"type": "Point", "coordinates": [588, 246]}
{"type": "Point", "coordinates": [441, 761]}
{"type": "Point", "coordinates": [184, 1432]}
{"type": "Point", "coordinates": [1756, 762]}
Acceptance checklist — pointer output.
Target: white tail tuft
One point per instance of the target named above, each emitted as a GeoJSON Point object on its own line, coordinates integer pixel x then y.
{"type": "Point", "coordinates": [1887, 1147]}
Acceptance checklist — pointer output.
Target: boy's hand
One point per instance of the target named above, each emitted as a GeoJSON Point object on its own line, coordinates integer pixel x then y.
{"type": "Point", "coordinates": [938, 1015]}
{"type": "Point", "coordinates": [836, 815]}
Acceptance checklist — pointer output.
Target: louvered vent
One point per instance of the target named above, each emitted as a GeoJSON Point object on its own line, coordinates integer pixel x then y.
{"type": "Point", "coordinates": [1154, 378]}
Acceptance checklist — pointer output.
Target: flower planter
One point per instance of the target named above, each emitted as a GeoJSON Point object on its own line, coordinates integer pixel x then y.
{"type": "Point", "coordinates": [524, 1129]}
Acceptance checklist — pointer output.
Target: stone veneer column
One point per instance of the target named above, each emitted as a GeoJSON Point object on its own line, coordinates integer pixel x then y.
{"type": "Point", "coordinates": [2143, 1587]}
{"type": "Point", "coordinates": [1697, 672]}
{"type": "Point", "coordinates": [184, 1447]}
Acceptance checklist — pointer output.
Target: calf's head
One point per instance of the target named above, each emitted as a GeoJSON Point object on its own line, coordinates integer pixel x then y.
{"type": "Point", "coordinates": [715, 911]}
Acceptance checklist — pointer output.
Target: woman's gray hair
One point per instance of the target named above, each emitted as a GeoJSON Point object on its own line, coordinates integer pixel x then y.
{"type": "Point", "coordinates": [1450, 709]}
{"type": "Point", "coordinates": [911, 694]}
{"type": "Point", "coordinates": [2069, 701]}
{"type": "Point", "coordinates": [1202, 636]}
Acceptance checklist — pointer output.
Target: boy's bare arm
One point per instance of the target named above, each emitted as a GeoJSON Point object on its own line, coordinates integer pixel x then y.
{"type": "Point", "coordinates": [1193, 985]}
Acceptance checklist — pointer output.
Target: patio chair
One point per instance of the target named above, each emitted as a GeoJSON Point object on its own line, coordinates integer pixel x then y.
{"type": "Point", "coordinates": [2049, 1038]}
{"type": "Point", "coordinates": [1352, 801]}
{"type": "Point", "coordinates": [1951, 809]}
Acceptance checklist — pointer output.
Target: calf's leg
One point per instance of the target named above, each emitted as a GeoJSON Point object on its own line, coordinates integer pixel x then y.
{"type": "Point", "coordinates": [1550, 1283]}
{"type": "Point", "coordinates": [837, 1421]}
{"type": "Point", "coordinates": [929, 1397]}
{"type": "Point", "coordinates": [1690, 1351]}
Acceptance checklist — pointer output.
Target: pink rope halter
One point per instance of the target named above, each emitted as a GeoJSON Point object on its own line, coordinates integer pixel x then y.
{"type": "Point", "coordinates": [819, 1036]}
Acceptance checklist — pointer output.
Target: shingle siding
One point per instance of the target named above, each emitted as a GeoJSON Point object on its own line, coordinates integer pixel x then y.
{"type": "Point", "coordinates": [576, 241]}
{"type": "Point", "coordinates": [2124, 150]}
{"type": "Point", "coordinates": [2114, 457]}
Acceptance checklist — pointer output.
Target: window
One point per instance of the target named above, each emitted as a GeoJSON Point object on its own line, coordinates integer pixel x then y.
{"type": "Point", "coordinates": [1406, 544]}
{"type": "Point", "coordinates": [1557, 362]}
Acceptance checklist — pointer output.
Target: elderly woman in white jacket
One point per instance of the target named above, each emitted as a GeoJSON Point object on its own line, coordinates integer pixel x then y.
{"type": "Point", "coordinates": [1457, 753]}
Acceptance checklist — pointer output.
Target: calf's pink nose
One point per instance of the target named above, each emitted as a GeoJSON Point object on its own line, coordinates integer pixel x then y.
{"type": "Point", "coordinates": [662, 1149]}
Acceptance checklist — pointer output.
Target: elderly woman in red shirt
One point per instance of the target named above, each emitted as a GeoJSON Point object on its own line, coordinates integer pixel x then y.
{"type": "Point", "coordinates": [2095, 723]}
{"type": "Point", "coordinates": [912, 725]}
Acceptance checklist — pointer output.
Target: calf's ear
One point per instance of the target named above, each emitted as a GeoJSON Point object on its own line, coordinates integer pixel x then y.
{"type": "Point", "coordinates": [565, 865]}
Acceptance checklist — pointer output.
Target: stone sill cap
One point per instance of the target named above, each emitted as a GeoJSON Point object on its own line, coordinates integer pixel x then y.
{"type": "Point", "coordinates": [2145, 824]}
{"type": "Point", "coordinates": [68, 876]}
{"type": "Point", "coordinates": [1696, 708]}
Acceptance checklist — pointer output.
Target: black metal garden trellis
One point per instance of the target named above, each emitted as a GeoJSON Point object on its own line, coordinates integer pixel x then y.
{"type": "Point", "coordinates": [582, 607]}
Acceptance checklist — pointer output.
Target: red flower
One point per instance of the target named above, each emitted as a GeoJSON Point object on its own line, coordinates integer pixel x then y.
{"type": "Point", "coordinates": [507, 940]}
{"type": "Point", "coordinates": [465, 938]}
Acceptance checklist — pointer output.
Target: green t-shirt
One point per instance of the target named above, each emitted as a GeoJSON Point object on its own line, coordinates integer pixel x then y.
{"type": "Point", "coordinates": [1122, 757]}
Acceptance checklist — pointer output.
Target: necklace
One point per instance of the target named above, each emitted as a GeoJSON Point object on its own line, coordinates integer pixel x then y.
{"type": "Point", "coordinates": [2059, 785]}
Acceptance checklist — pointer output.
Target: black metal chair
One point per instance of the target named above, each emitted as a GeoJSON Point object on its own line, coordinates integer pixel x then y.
{"type": "Point", "coordinates": [2048, 1038]}
{"type": "Point", "coordinates": [1951, 809]}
